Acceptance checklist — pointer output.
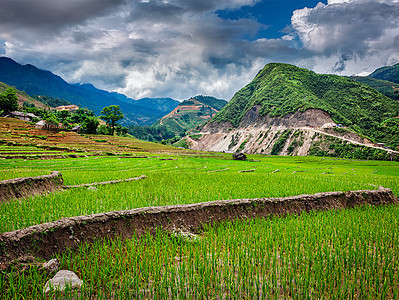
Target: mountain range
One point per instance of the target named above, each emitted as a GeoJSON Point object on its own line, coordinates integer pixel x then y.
{"type": "Point", "coordinates": [281, 97]}
{"type": "Point", "coordinates": [34, 81]}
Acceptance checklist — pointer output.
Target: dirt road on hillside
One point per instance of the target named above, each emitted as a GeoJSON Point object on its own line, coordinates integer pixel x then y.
{"type": "Point", "coordinates": [348, 140]}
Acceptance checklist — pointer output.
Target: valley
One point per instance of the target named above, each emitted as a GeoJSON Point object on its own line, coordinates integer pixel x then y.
{"type": "Point", "coordinates": [304, 214]}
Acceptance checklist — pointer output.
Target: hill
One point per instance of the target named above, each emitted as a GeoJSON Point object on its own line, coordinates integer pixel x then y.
{"type": "Point", "coordinates": [213, 102]}
{"type": "Point", "coordinates": [27, 142]}
{"type": "Point", "coordinates": [163, 104]}
{"type": "Point", "coordinates": [23, 97]}
{"type": "Point", "coordinates": [289, 106]}
{"type": "Point", "coordinates": [387, 88]}
{"type": "Point", "coordinates": [191, 113]}
{"type": "Point", "coordinates": [389, 73]}
{"type": "Point", "coordinates": [281, 89]}
{"type": "Point", "coordinates": [188, 115]}
{"type": "Point", "coordinates": [34, 81]}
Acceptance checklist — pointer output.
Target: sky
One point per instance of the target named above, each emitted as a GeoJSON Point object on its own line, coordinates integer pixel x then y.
{"type": "Point", "coordinates": [182, 48]}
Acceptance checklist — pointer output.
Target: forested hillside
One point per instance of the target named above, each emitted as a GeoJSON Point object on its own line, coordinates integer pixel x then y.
{"type": "Point", "coordinates": [387, 88]}
{"type": "Point", "coordinates": [389, 73]}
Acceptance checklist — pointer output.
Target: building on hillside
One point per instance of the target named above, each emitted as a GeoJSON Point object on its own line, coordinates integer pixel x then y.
{"type": "Point", "coordinates": [40, 124]}
{"type": "Point", "coordinates": [77, 128]}
{"type": "Point", "coordinates": [329, 125]}
{"type": "Point", "coordinates": [379, 145]}
{"type": "Point", "coordinates": [22, 116]}
{"type": "Point", "coordinates": [46, 126]}
{"type": "Point", "coordinates": [67, 107]}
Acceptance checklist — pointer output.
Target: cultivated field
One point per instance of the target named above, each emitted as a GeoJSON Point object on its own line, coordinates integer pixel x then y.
{"type": "Point", "coordinates": [331, 255]}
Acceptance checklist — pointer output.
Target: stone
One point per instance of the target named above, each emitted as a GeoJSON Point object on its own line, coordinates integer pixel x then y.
{"type": "Point", "coordinates": [246, 171]}
{"type": "Point", "coordinates": [239, 156]}
{"type": "Point", "coordinates": [61, 281]}
{"type": "Point", "coordinates": [52, 265]}
{"type": "Point", "coordinates": [92, 188]}
{"type": "Point", "coordinates": [185, 235]}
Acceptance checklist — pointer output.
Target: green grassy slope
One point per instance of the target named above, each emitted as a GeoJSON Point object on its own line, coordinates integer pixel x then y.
{"type": "Point", "coordinates": [390, 73]}
{"type": "Point", "coordinates": [282, 89]}
{"type": "Point", "coordinates": [191, 113]}
{"type": "Point", "coordinates": [216, 103]}
{"type": "Point", "coordinates": [387, 88]}
{"type": "Point", "coordinates": [23, 97]}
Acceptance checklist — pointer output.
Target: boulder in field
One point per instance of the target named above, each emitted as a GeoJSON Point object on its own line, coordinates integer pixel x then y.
{"type": "Point", "coordinates": [61, 281]}
{"type": "Point", "coordinates": [239, 156]}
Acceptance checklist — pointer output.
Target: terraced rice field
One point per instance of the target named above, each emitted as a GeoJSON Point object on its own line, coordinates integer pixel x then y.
{"type": "Point", "coordinates": [348, 254]}
{"type": "Point", "coordinates": [20, 134]}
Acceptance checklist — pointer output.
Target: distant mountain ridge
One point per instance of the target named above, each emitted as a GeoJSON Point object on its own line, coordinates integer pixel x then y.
{"type": "Point", "coordinates": [34, 81]}
{"type": "Point", "coordinates": [213, 102]}
{"type": "Point", "coordinates": [389, 73]}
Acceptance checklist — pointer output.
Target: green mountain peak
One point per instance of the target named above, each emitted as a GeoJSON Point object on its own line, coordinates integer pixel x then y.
{"type": "Point", "coordinates": [281, 89]}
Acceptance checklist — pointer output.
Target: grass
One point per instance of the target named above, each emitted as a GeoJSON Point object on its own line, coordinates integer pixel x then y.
{"type": "Point", "coordinates": [347, 254]}
{"type": "Point", "coordinates": [182, 181]}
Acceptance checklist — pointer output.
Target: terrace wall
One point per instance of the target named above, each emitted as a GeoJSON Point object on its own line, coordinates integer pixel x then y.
{"type": "Point", "coordinates": [47, 239]}
{"type": "Point", "coordinates": [22, 187]}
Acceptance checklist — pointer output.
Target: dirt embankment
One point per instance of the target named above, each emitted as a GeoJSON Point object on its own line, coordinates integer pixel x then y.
{"type": "Point", "coordinates": [47, 239]}
{"type": "Point", "coordinates": [294, 134]}
{"type": "Point", "coordinates": [258, 133]}
{"type": "Point", "coordinates": [28, 186]}
{"type": "Point", "coordinates": [22, 187]}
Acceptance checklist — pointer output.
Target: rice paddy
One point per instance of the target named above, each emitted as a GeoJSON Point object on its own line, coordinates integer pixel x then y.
{"type": "Point", "coordinates": [348, 254]}
{"type": "Point", "coordinates": [182, 181]}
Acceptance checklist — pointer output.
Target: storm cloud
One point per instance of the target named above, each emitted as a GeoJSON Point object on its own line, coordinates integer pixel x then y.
{"type": "Point", "coordinates": [180, 48]}
{"type": "Point", "coordinates": [351, 36]}
{"type": "Point", "coordinates": [49, 15]}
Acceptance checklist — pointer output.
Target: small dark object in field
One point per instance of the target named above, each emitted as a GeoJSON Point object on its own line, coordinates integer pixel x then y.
{"type": "Point", "coordinates": [246, 171]}
{"type": "Point", "coordinates": [239, 156]}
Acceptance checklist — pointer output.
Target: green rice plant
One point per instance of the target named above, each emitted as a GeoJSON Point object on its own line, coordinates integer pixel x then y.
{"type": "Point", "coordinates": [324, 255]}
{"type": "Point", "coordinates": [182, 181]}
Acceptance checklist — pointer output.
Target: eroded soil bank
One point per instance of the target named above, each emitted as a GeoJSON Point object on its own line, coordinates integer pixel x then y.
{"type": "Point", "coordinates": [29, 186]}
{"type": "Point", "coordinates": [22, 187]}
{"type": "Point", "coordinates": [47, 239]}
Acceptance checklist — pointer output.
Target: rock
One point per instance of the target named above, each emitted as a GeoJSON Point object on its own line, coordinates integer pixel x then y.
{"type": "Point", "coordinates": [92, 188]}
{"type": "Point", "coordinates": [52, 265]}
{"type": "Point", "coordinates": [246, 171]}
{"type": "Point", "coordinates": [239, 156]}
{"type": "Point", "coordinates": [275, 171]}
{"type": "Point", "coordinates": [185, 235]}
{"type": "Point", "coordinates": [61, 281]}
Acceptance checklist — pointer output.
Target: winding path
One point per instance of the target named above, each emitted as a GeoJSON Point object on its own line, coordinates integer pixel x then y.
{"type": "Point", "coordinates": [351, 141]}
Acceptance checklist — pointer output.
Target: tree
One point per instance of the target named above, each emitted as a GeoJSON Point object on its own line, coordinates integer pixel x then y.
{"type": "Point", "coordinates": [8, 100]}
{"type": "Point", "coordinates": [90, 125]}
{"type": "Point", "coordinates": [111, 115]}
{"type": "Point", "coordinates": [81, 114]}
{"type": "Point", "coordinates": [63, 115]}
